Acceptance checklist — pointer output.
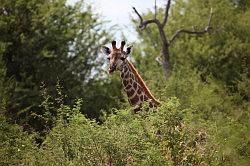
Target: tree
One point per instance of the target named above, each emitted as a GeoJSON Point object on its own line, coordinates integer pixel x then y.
{"type": "Point", "coordinates": [224, 53]}
{"type": "Point", "coordinates": [49, 41]}
{"type": "Point", "coordinates": [165, 41]}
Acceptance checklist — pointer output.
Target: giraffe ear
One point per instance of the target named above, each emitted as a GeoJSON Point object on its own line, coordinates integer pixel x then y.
{"type": "Point", "coordinates": [129, 50]}
{"type": "Point", "coordinates": [105, 50]}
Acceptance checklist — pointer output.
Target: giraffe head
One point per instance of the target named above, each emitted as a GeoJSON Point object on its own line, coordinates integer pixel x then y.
{"type": "Point", "coordinates": [116, 56]}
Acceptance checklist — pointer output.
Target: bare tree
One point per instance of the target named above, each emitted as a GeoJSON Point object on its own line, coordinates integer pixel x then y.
{"type": "Point", "coordinates": [166, 42]}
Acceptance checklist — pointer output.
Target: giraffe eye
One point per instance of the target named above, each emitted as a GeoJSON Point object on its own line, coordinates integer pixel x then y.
{"type": "Point", "coordinates": [122, 58]}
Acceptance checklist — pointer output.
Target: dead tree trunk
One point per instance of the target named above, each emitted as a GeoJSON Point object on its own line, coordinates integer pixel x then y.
{"type": "Point", "coordinates": [165, 61]}
{"type": "Point", "coordinates": [165, 54]}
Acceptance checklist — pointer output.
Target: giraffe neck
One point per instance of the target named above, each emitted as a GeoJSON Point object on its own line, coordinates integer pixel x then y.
{"type": "Point", "coordinates": [135, 88]}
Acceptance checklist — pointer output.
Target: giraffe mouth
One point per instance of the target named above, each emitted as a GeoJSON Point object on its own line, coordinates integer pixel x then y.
{"type": "Point", "coordinates": [111, 70]}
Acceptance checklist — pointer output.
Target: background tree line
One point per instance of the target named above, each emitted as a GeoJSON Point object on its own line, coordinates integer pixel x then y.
{"type": "Point", "coordinates": [59, 107]}
{"type": "Point", "coordinates": [45, 42]}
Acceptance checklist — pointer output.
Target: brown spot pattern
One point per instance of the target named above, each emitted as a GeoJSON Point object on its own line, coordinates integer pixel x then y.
{"type": "Point", "coordinates": [125, 70]}
{"type": "Point", "coordinates": [141, 98]}
{"type": "Point", "coordinates": [127, 75]}
{"type": "Point", "coordinates": [130, 93]}
{"type": "Point", "coordinates": [128, 86]}
{"type": "Point", "coordinates": [134, 100]}
{"type": "Point", "coordinates": [139, 91]}
{"type": "Point", "coordinates": [125, 82]}
{"type": "Point", "coordinates": [136, 94]}
{"type": "Point", "coordinates": [132, 76]}
{"type": "Point", "coordinates": [134, 85]}
{"type": "Point", "coordinates": [131, 81]}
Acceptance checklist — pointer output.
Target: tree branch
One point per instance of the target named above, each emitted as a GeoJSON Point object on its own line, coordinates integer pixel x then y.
{"type": "Point", "coordinates": [155, 10]}
{"type": "Point", "coordinates": [206, 29]}
{"type": "Point", "coordinates": [143, 24]}
{"type": "Point", "coordinates": [166, 13]}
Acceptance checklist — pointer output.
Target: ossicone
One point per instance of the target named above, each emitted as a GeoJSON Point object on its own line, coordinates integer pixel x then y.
{"type": "Point", "coordinates": [113, 44]}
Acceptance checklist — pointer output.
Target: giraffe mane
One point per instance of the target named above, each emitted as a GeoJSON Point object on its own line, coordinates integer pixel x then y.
{"type": "Point", "coordinates": [142, 83]}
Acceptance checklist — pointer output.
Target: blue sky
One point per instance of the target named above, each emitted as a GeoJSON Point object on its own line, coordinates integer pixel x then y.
{"type": "Point", "coordinates": [119, 12]}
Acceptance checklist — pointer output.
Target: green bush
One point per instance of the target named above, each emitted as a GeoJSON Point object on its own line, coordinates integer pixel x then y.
{"type": "Point", "coordinates": [172, 134]}
{"type": "Point", "coordinates": [222, 113]}
{"type": "Point", "coordinates": [159, 137]}
{"type": "Point", "coordinates": [16, 146]}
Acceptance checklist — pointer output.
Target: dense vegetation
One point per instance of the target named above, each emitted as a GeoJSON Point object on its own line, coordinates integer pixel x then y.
{"type": "Point", "coordinates": [59, 107]}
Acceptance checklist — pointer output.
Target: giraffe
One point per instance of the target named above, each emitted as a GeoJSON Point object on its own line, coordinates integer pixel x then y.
{"type": "Point", "coordinates": [134, 86]}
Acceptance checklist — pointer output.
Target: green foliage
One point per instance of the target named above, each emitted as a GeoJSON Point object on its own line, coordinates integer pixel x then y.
{"type": "Point", "coordinates": [225, 52]}
{"type": "Point", "coordinates": [3, 94]}
{"type": "Point", "coordinates": [160, 137]}
{"type": "Point", "coordinates": [217, 111]}
{"type": "Point", "coordinates": [103, 95]}
{"type": "Point", "coordinates": [210, 73]}
{"type": "Point", "coordinates": [206, 97]}
{"type": "Point", "coordinates": [46, 41]}
{"type": "Point", "coordinates": [16, 146]}
{"type": "Point", "coordinates": [168, 135]}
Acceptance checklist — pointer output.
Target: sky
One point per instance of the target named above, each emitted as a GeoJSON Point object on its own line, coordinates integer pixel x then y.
{"type": "Point", "coordinates": [119, 12]}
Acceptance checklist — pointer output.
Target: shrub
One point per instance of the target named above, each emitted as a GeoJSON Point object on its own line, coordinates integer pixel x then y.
{"type": "Point", "coordinates": [16, 146]}
{"type": "Point", "coordinates": [160, 137]}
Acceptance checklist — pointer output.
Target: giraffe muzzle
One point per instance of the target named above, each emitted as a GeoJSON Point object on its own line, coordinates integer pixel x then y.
{"type": "Point", "coordinates": [112, 69]}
